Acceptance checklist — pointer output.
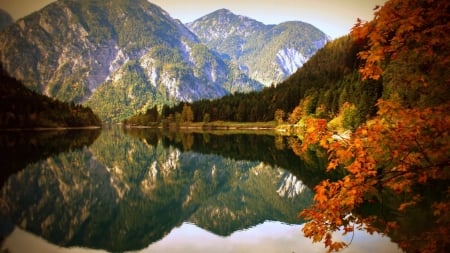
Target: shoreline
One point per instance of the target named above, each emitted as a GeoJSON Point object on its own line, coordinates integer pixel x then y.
{"type": "Point", "coordinates": [224, 126]}
{"type": "Point", "coordinates": [217, 125]}
{"type": "Point", "coordinates": [49, 129]}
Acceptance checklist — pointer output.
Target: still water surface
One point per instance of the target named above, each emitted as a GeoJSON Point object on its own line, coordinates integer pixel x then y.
{"type": "Point", "coordinates": [141, 190]}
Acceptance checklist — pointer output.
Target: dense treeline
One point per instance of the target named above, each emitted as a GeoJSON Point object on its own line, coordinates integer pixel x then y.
{"type": "Point", "coordinates": [328, 82]}
{"type": "Point", "coordinates": [23, 108]}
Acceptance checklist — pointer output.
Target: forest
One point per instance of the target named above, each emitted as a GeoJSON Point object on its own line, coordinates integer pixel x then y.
{"type": "Point", "coordinates": [21, 108]}
{"type": "Point", "coordinates": [328, 82]}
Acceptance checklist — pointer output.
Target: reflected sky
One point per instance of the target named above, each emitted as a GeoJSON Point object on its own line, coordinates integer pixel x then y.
{"type": "Point", "coordinates": [267, 237]}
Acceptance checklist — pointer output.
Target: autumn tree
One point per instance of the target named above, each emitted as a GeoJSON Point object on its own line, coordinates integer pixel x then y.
{"type": "Point", "coordinates": [300, 111]}
{"type": "Point", "coordinates": [346, 119]}
{"type": "Point", "coordinates": [407, 44]}
{"type": "Point", "coordinates": [187, 115]}
{"type": "Point", "coordinates": [279, 116]}
{"type": "Point", "coordinates": [206, 117]}
{"type": "Point", "coordinates": [406, 147]}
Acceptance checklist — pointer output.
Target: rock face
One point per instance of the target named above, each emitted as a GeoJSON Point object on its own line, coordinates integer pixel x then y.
{"type": "Point", "coordinates": [268, 53]}
{"type": "Point", "coordinates": [119, 57]}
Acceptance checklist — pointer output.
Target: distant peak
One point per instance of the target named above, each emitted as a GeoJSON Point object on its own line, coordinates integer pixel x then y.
{"type": "Point", "coordinates": [223, 11]}
{"type": "Point", "coordinates": [227, 16]}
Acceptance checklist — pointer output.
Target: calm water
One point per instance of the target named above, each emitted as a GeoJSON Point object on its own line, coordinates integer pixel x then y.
{"type": "Point", "coordinates": [141, 190]}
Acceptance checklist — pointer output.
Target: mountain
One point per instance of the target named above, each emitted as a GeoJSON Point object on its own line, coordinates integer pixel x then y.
{"type": "Point", "coordinates": [267, 53]}
{"type": "Point", "coordinates": [118, 57]}
{"type": "Point", "coordinates": [323, 87]}
{"type": "Point", "coordinates": [5, 19]}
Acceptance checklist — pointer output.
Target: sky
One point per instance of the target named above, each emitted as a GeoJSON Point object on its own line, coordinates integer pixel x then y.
{"type": "Point", "coordinates": [334, 17]}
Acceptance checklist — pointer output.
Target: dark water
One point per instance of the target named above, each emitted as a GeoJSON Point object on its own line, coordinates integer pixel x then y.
{"type": "Point", "coordinates": [143, 190]}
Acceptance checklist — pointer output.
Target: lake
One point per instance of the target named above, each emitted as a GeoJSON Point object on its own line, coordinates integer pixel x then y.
{"type": "Point", "coordinates": [143, 190]}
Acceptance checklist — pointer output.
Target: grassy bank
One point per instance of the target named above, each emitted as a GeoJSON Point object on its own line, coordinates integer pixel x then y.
{"type": "Point", "coordinates": [226, 125]}
{"type": "Point", "coordinates": [229, 127]}
{"type": "Point", "coordinates": [216, 125]}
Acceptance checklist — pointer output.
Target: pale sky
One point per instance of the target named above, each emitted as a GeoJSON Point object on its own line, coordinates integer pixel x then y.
{"type": "Point", "coordinates": [334, 17]}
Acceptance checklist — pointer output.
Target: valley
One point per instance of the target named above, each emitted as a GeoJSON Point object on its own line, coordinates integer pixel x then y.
{"type": "Point", "coordinates": [122, 57]}
{"type": "Point", "coordinates": [199, 119]}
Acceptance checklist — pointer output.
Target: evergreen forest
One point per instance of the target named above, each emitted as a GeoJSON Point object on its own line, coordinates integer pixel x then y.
{"type": "Point", "coordinates": [328, 84]}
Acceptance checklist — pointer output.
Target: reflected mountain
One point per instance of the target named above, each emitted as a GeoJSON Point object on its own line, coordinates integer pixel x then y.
{"type": "Point", "coordinates": [20, 148]}
{"type": "Point", "coordinates": [273, 150]}
{"type": "Point", "coordinates": [126, 191]}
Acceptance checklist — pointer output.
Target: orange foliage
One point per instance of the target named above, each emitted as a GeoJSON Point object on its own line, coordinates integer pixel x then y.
{"type": "Point", "coordinates": [299, 111]}
{"type": "Point", "coordinates": [315, 131]}
{"type": "Point", "coordinates": [402, 147]}
{"type": "Point", "coordinates": [401, 27]}
{"type": "Point", "coordinates": [397, 150]}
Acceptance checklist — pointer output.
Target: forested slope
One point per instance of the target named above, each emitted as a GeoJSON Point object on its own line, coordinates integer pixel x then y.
{"type": "Point", "coordinates": [324, 84]}
{"type": "Point", "coordinates": [23, 108]}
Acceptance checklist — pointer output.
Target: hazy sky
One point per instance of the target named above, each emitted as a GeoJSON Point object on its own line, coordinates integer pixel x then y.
{"type": "Point", "coordinates": [334, 17]}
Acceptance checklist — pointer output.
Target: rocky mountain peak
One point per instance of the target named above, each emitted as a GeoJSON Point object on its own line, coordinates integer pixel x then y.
{"type": "Point", "coordinates": [222, 24]}
{"type": "Point", "coordinates": [267, 53]}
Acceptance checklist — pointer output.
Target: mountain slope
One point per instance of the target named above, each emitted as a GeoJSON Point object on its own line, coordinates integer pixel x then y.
{"type": "Point", "coordinates": [322, 87]}
{"type": "Point", "coordinates": [268, 53]}
{"type": "Point", "coordinates": [100, 52]}
{"type": "Point", "coordinates": [23, 108]}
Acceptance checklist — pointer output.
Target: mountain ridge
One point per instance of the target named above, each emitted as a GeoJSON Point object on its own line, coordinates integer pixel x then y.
{"type": "Point", "coordinates": [73, 49]}
{"type": "Point", "coordinates": [123, 57]}
{"type": "Point", "coordinates": [267, 53]}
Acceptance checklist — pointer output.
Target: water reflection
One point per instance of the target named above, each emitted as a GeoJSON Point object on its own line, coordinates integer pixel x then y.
{"type": "Point", "coordinates": [189, 238]}
{"type": "Point", "coordinates": [20, 148]}
{"type": "Point", "coordinates": [124, 192]}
